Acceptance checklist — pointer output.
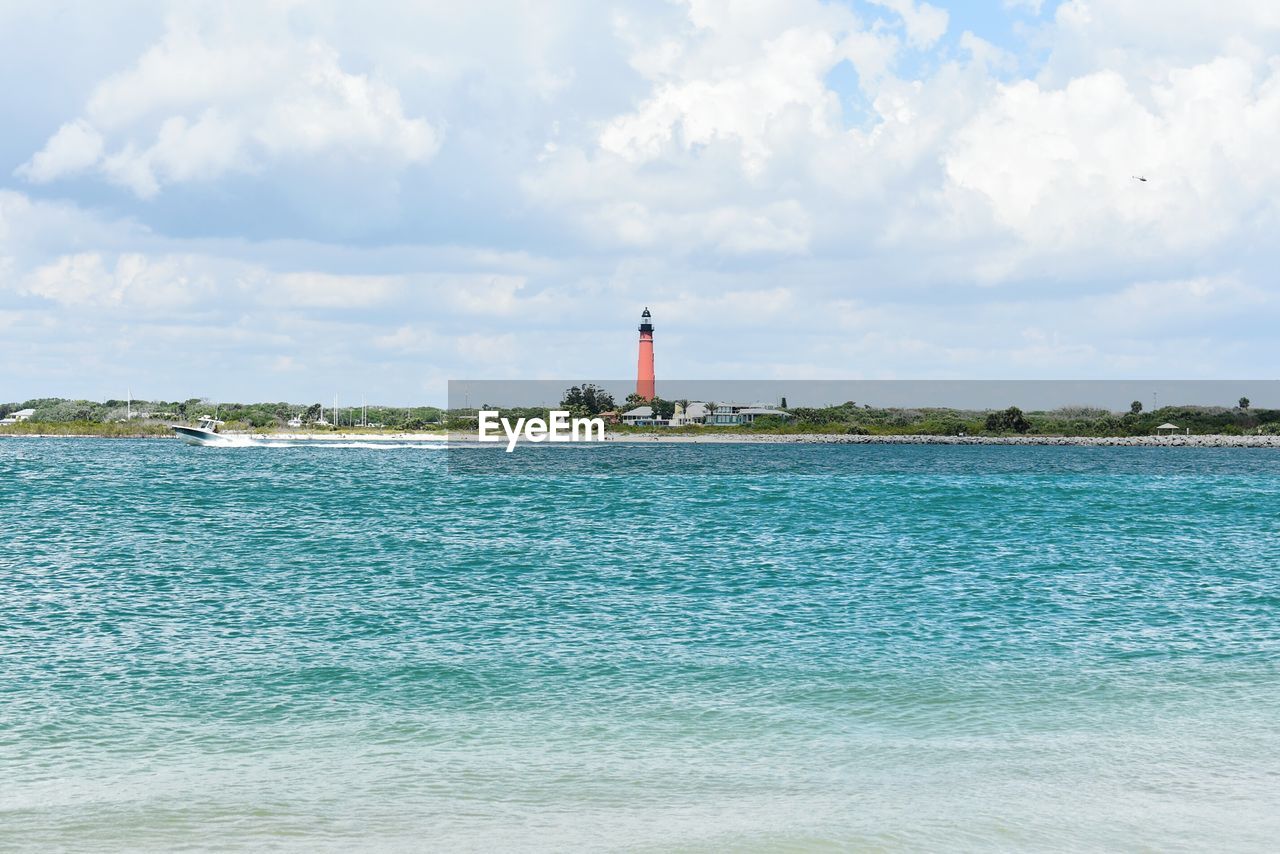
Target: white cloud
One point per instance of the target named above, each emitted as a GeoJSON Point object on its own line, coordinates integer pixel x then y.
{"type": "Point", "coordinates": [987, 53]}
{"type": "Point", "coordinates": [1033, 6]}
{"type": "Point", "coordinates": [1139, 38]}
{"type": "Point", "coordinates": [1157, 309]}
{"type": "Point", "coordinates": [738, 112]}
{"type": "Point", "coordinates": [925, 24]}
{"type": "Point", "coordinates": [74, 148]}
{"type": "Point", "coordinates": [1057, 166]}
{"type": "Point", "coordinates": [741, 145]}
{"type": "Point", "coordinates": [494, 295]}
{"type": "Point", "coordinates": [473, 348]}
{"type": "Point", "coordinates": [781, 227]}
{"type": "Point", "coordinates": [208, 100]}
{"type": "Point", "coordinates": [755, 81]}
{"type": "Point", "coordinates": [326, 290]}
{"type": "Point", "coordinates": [742, 103]}
{"type": "Point", "coordinates": [893, 198]}
{"type": "Point", "coordinates": [87, 280]}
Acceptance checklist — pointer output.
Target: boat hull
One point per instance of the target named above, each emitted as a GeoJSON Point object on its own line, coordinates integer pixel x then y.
{"type": "Point", "coordinates": [198, 436]}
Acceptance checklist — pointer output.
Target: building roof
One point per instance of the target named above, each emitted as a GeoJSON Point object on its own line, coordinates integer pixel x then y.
{"type": "Point", "coordinates": [639, 412]}
{"type": "Point", "coordinates": [22, 413]}
{"type": "Point", "coordinates": [1167, 426]}
{"type": "Point", "coordinates": [744, 407]}
{"type": "Point", "coordinates": [760, 410]}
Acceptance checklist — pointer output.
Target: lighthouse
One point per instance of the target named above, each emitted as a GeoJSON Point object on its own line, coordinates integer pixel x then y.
{"type": "Point", "coordinates": [644, 365]}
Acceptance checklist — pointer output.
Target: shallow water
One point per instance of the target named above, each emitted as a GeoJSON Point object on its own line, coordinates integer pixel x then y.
{"type": "Point", "coordinates": [651, 647]}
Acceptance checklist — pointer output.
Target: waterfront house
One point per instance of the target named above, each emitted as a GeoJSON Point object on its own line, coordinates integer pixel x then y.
{"type": "Point", "coordinates": [20, 415]}
{"type": "Point", "coordinates": [693, 414]}
{"type": "Point", "coordinates": [641, 416]}
{"type": "Point", "coordinates": [723, 415]}
{"type": "Point", "coordinates": [740, 414]}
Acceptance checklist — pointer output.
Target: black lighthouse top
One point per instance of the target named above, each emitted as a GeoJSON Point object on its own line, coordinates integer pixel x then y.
{"type": "Point", "coordinates": [646, 322]}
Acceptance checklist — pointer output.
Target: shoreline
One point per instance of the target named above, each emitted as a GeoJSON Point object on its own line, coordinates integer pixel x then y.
{"type": "Point", "coordinates": [1177, 441]}
{"type": "Point", "coordinates": [1201, 441]}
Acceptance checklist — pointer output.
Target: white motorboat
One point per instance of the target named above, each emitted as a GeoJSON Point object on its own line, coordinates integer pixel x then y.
{"type": "Point", "coordinates": [204, 433]}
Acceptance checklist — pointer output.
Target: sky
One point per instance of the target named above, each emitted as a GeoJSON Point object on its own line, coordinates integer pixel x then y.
{"type": "Point", "coordinates": [300, 200]}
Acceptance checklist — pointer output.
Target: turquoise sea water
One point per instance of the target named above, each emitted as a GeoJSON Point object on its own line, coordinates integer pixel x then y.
{"type": "Point", "coordinates": [665, 647]}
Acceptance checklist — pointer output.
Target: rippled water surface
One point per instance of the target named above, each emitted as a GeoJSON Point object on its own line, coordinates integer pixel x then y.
{"type": "Point", "coordinates": [661, 647]}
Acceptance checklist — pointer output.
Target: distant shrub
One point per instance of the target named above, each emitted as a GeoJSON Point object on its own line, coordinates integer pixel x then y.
{"type": "Point", "coordinates": [1009, 419]}
{"type": "Point", "coordinates": [842, 414]}
{"type": "Point", "coordinates": [769, 422]}
{"type": "Point", "coordinates": [86, 428]}
{"type": "Point", "coordinates": [940, 427]}
{"type": "Point", "coordinates": [1078, 413]}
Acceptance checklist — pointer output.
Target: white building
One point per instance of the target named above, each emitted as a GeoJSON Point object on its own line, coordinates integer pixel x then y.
{"type": "Point", "coordinates": [739, 414]}
{"type": "Point", "coordinates": [641, 416]}
{"type": "Point", "coordinates": [695, 413]}
{"type": "Point", "coordinates": [20, 415]}
{"type": "Point", "coordinates": [723, 415]}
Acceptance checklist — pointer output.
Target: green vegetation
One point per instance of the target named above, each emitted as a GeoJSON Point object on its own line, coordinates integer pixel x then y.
{"type": "Point", "coordinates": [1010, 420]}
{"type": "Point", "coordinates": [850, 418]}
{"type": "Point", "coordinates": [111, 429]}
{"type": "Point", "coordinates": [662, 409]}
{"type": "Point", "coordinates": [59, 416]}
{"type": "Point", "coordinates": [586, 400]}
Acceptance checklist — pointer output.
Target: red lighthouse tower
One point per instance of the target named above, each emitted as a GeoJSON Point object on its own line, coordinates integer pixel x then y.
{"type": "Point", "coordinates": [644, 366]}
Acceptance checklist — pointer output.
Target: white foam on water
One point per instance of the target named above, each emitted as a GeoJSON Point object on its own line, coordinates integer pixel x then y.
{"type": "Point", "coordinates": [381, 446]}
{"type": "Point", "coordinates": [249, 442]}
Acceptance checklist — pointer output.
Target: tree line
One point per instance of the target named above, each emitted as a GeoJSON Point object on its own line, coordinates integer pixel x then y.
{"type": "Point", "coordinates": [55, 410]}
{"type": "Point", "coordinates": [851, 417]}
{"type": "Point", "coordinates": [589, 400]}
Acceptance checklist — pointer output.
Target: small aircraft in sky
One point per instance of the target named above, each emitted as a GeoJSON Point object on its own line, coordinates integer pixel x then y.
{"type": "Point", "coordinates": [1141, 178]}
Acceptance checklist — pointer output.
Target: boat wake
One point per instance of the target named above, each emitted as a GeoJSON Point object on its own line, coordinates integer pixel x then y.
{"type": "Point", "coordinates": [205, 434]}
{"type": "Point", "coordinates": [377, 446]}
{"type": "Point", "coordinates": [250, 442]}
